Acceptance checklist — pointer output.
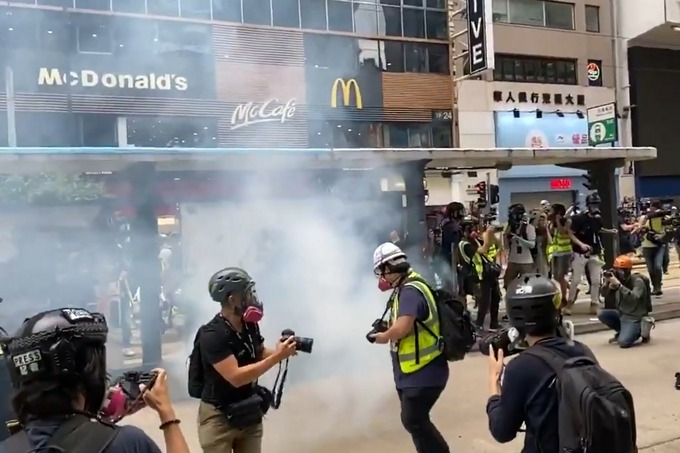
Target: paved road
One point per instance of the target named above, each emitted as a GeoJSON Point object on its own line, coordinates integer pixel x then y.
{"type": "Point", "coordinates": [361, 414]}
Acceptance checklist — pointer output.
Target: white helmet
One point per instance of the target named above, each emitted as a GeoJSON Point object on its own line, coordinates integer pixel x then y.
{"type": "Point", "coordinates": [545, 203]}
{"type": "Point", "coordinates": [385, 253]}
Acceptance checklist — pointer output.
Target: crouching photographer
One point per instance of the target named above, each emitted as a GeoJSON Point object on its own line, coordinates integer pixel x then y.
{"type": "Point", "coordinates": [228, 358]}
{"type": "Point", "coordinates": [57, 363]}
{"type": "Point", "coordinates": [526, 395]}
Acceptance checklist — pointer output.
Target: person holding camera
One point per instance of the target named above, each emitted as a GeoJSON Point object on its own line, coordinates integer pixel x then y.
{"type": "Point", "coordinates": [420, 370]}
{"type": "Point", "coordinates": [480, 271]}
{"type": "Point", "coordinates": [520, 241]}
{"type": "Point", "coordinates": [228, 358]}
{"type": "Point", "coordinates": [631, 295]}
{"type": "Point", "coordinates": [527, 395]}
{"type": "Point", "coordinates": [653, 246]}
{"type": "Point", "coordinates": [57, 363]}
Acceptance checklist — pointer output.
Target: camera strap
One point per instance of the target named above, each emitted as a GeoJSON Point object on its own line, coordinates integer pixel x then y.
{"type": "Point", "coordinates": [279, 382]}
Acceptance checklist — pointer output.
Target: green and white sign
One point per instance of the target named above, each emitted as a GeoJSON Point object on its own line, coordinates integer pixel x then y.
{"type": "Point", "coordinates": [602, 125]}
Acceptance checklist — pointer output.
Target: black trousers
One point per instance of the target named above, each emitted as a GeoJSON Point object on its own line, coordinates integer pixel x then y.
{"type": "Point", "coordinates": [489, 302]}
{"type": "Point", "coordinates": [416, 404]}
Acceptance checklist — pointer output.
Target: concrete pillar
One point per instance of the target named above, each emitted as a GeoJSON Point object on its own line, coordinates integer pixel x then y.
{"type": "Point", "coordinates": [145, 270]}
{"type": "Point", "coordinates": [414, 173]}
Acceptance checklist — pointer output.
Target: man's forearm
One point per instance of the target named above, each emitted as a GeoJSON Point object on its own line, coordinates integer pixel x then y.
{"type": "Point", "coordinates": [172, 434]}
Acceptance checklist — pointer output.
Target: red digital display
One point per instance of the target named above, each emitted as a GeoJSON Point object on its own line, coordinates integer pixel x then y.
{"type": "Point", "coordinates": [560, 184]}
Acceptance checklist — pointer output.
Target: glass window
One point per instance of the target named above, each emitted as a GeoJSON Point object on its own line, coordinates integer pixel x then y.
{"type": "Point", "coordinates": [389, 21]}
{"type": "Point", "coordinates": [316, 53]}
{"type": "Point", "coordinates": [438, 58]}
{"type": "Point", "coordinates": [340, 16]}
{"type": "Point", "coordinates": [94, 34]}
{"type": "Point", "coordinates": [134, 36]}
{"type": "Point", "coordinates": [55, 34]}
{"type": "Point", "coordinates": [413, 3]}
{"type": "Point", "coordinates": [550, 72]}
{"type": "Point", "coordinates": [419, 136]}
{"type": "Point", "coordinates": [398, 135]}
{"type": "Point", "coordinates": [500, 11]}
{"type": "Point", "coordinates": [313, 14]}
{"type": "Point", "coordinates": [391, 2]}
{"type": "Point", "coordinates": [99, 130]}
{"type": "Point", "coordinates": [128, 6]}
{"type": "Point", "coordinates": [365, 19]}
{"type": "Point", "coordinates": [163, 7]}
{"type": "Point", "coordinates": [531, 71]}
{"type": "Point", "coordinates": [286, 13]}
{"type": "Point", "coordinates": [227, 10]}
{"type": "Point", "coordinates": [414, 23]}
{"type": "Point", "coordinates": [571, 78]}
{"type": "Point", "coordinates": [508, 70]}
{"type": "Point", "coordinates": [4, 139]}
{"type": "Point", "coordinates": [102, 5]}
{"type": "Point", "coordinates": [527, 12]}
{"type": "Point", "coordinates": [561, 72]}
{"type": "Point", "coordinates": [172, 132]}
{"type": "Point", "coordinates": [61, 3]}
{"type": "Point", "coordinates": [559, 15]}
{"type": "Point", "coordinates": [436, 4]}
{"type": "Point", "coordinates": [56, 129]}
{"type": "Point", "coordinates": [394, 56]}
{"type": "Point", "coordinates": [195, 9]}
{"type": "Point", "coordinates": [257, 12]}
{"type": "Point", "coordinates": [442, 136]}
{"type": "Point", "coordinates": [177, 36]}
{"type": "Point", "coordinates": [593, 19]}
{"type": "Point", "coordinates": [415, 57]}
{"type": "Point", "coordinates": [20, 29]}
{"type": "Point", "coordinates": [518, 70]}
{"type": "Point", "coordinates": [436, 24]}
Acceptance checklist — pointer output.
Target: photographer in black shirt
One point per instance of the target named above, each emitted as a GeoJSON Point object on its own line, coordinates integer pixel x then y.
{"type": "Point", "coordinates": [231, 356]}
{"type": "Point", "coordinates": [523, 392]}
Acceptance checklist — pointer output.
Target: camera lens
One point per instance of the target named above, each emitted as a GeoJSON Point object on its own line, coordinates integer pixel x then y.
{"type": "Point", "coordinates": [304, 344]}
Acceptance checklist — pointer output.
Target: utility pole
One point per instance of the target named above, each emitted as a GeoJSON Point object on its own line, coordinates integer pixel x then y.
{"type": "Point", "coordinates": [472, 19]}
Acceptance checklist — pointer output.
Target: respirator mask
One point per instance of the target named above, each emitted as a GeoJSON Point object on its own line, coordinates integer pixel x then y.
{"type": "Point", "coordinates": [251, 308]}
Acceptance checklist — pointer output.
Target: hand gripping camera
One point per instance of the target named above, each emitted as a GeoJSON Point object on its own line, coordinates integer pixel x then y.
{"type": "Point", "coordinates": [378, 326]}
{"type": "Point", "coordinates": [126, 394]}
{"type": "Point", "coordinates": [508, 340]}
{"type": "Point", "coordinates": [302, 344]}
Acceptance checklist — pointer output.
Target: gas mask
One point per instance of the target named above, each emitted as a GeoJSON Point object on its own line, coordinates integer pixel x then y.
{"type": "Point", "coordinates": [251, 308]}
{"type": "Point", "coordinates": [594, 208]}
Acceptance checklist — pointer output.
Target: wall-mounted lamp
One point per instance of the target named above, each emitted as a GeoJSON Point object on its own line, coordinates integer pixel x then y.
{"type": "Point", "coordinates": [559, 113]}
{"type": "Point", "coordinates": [579, 114]}
{"type": "Point", "coordinates": [515, 113]}
{"type": "Point", "coordinates": [539, 114]}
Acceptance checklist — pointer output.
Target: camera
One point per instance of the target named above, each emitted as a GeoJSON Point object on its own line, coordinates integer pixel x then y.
{"type": "Point", "coordinates": [302, 344]}
{"type": "Point", "coordinates": [608, 274]}
{"type": "Point", "coordinates": [378, 326]}
{"type": "Point", "coordinates": [125, 394]}
{"type": "Point", "coordinates": [508, 340]}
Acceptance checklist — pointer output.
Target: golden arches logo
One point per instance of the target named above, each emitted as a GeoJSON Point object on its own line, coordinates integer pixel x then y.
{"type": "Point", "coordinates": [346, 87]}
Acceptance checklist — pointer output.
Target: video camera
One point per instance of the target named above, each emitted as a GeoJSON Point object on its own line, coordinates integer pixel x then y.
{"type": "Point", "coordinates": [378, 326]}
{"type": "Point", "coordinates": [302, 344]}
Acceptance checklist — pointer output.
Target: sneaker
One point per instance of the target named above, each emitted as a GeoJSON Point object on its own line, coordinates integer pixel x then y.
{"type": "Point", "coordinates": [614, 339]}
{"type": "Point", "coordinates": [657, 293]}
{"type": "Point", "coordinates": [128, 352]}
{"type": "Point", "coordinates": [646, 325]}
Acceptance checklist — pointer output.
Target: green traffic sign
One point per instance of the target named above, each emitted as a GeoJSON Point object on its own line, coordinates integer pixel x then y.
{"type": "Point", "coordinates": [602, 125]}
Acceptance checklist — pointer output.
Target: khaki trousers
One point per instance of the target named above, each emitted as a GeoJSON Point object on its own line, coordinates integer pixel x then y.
{"type": "Point", "coordinates": [216, 436]}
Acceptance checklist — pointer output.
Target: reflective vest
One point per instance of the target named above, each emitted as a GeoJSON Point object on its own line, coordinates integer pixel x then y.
{"type": "Point", "coordinates": [561, 243]}
{"type": "Point", "coordinates": [419, 347]}
{"type": "Point", "coordinates": [474, 261]}
{"type": "Point", "coordinates": [493, 253]}
{"type": "Point", "coordinates": [655, 225]}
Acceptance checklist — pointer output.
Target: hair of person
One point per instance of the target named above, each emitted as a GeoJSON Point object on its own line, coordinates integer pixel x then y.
{"type": "Point", "coordinates": [543, 330]}
{"type": "Point", "coordinates": [49, 398]}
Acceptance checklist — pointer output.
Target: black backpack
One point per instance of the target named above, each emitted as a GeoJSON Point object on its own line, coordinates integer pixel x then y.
{"type": "Point", "coordinates": [648, 287]}
{"type": "Point", "coordinates": [457, 333]}
{"type": "Point", "coordinates": [78, 434]}
{"type": "Point", "coordinates": [596, 412]}
{"type": "Point", "coordinates": [196, 380]}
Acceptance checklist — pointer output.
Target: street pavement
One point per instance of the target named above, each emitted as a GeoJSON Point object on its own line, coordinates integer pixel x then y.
{"type": "Point", "coordinates": [359, 412]}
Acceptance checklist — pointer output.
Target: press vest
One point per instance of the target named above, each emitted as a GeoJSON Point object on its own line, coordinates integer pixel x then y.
{"type": "Point", "coordinates": [419, 347]}
{"type": "Point", "coordinates": [474, 261]}
{"type": "Point", "coordinates": [655, 225]}
{"type": "Point", "coordinates": [561, 244]}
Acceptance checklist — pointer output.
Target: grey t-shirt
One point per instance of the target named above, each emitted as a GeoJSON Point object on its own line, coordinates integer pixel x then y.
{"type": "Point", "coordinates": [520, 248]}
{"type": "Point", "coordinates": [434, 374]}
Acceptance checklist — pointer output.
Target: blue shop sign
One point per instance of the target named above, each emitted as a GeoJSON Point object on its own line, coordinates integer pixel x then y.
{"type": "Point", "coordinates": [549, 131]}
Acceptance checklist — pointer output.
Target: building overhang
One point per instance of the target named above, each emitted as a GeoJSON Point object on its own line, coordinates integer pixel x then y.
{"type": "Point", "coordinates": [664, 36]}
{"type": "Point", "coordinates": [79, 160]}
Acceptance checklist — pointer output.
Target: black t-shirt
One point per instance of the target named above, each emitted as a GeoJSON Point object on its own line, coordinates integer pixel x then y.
{"type": "Point", "coordinates": [450, 238]}
{"type": "Point", "coordinates": [218, 341]}
{"type": "Point", "coordinates": [587, 229]}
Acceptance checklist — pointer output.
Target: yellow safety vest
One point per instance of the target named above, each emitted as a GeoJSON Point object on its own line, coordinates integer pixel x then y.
{"type": "Point", "coordinates": [419, 347]}
{"type": "Point", "coordinates": [561, 243]}
{"type": "Point", "coordinates": [655, 225]}
{"type": "Point", "coordinates": [493, 253]}
{"type": "Point", "coordinates": [475, 261]}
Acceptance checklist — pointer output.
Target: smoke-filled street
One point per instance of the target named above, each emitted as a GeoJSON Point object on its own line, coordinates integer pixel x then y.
{"type": "Point", "coordinates": [362, 415]}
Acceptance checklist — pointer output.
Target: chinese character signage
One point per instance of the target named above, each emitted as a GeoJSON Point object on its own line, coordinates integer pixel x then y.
{"type": "Point", "coordinates": [594, 73]}
{"type": "Point", "coordinates": [544, 99]}
{"type": "Point", "coordinates": [550, 131]}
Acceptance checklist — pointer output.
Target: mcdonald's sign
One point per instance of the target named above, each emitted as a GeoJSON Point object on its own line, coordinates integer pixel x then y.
{"type": "Point", "coordinates": [346, 87]}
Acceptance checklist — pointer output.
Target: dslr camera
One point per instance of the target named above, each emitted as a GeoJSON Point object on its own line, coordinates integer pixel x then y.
{"type": "Point", "coordinates": [378, 326]}
{"type": "Point", "coordinates": [302, 344]}
{"type": "Point", "coordinates": [508, 340]}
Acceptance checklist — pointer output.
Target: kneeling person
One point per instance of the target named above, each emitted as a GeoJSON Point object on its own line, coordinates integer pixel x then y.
{"type": "Point", "coordinates": [229, 357]}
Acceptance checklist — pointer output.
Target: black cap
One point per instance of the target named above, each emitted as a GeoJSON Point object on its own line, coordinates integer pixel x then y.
{"type": "Point", "coordinates": [530, 301]}
{"type": "Point", "coordinates": [593, 198]}
{"type": "Point", "coordinates": [228, 281]}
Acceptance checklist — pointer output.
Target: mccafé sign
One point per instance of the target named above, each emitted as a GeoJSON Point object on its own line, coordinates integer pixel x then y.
{"type": "Point", "coordinates": [89, 78]}
{"type": "Point", "coordinates": [271, 111]}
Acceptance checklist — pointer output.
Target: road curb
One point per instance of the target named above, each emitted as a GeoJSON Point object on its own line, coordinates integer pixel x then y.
{"type": "Point", "coordinates": [595, 326]}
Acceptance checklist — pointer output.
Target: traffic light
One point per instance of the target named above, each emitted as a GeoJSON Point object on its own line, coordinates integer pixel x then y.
{"type": "Point", "coordinates": [590, 182]}
{"type": "Point", "coordinates": [481, 193]}
{"type": "Point", "coordinates": [494, 194]}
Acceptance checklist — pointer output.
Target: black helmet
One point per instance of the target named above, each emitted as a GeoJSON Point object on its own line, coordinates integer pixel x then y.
{"type": "Point", "coordinates": [46, 346]}
{"type": "Point", "coordinates": [593, 198]}
{"type": "Point", "coordinates": [530, 302]}
{"type": "Point", "coordinates": [228, 281]}
{"type": "Point", "coordinates": [517, 209]}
